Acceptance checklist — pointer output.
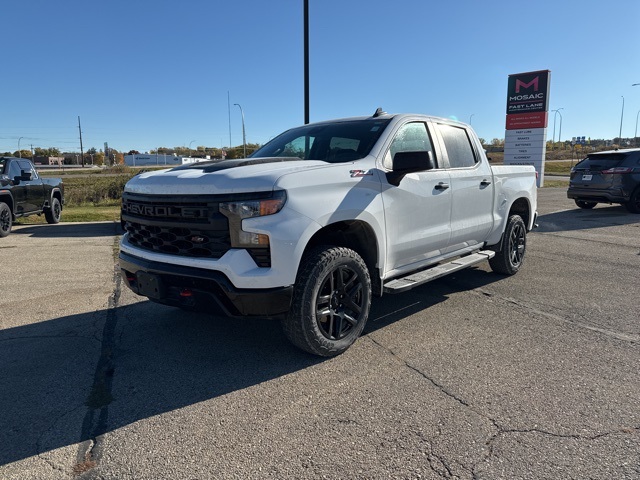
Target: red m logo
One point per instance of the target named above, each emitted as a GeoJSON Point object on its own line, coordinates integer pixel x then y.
{"type": "Point", "coordinates": [521, 84]}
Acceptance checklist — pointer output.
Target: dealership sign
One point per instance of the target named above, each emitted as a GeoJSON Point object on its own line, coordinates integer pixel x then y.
{"type": "Point", "coordinates": [526, 125]}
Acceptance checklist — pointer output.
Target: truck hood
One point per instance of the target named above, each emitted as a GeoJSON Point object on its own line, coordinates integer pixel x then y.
{"type": "Point", "coordinates": [257, 174]}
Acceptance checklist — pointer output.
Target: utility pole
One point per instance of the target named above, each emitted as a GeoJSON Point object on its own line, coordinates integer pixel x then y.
{"type": "Point", "coordinates": [229, 111]}
{"type": "Point", "coordinates": [80, 130]}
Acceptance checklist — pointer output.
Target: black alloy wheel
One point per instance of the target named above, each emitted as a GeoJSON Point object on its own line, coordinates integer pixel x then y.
{"type": "Point", "coordinates": [6, 220]}
{"type": "Point", "coordinates": [331, 301]}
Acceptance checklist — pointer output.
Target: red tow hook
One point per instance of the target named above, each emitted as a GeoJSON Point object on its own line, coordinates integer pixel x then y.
{"type": "Point", "coordinates": [186, 292]}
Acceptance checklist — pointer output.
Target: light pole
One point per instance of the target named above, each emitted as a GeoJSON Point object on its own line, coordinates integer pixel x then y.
{"type": "Point", "coordinates": [557, 112]}
{"type": "Point", "coordinates": [621, 117]}
{"type": "Point", "coordinates": [190, 147]}
{"type": "Point", "coordinates": [470, 117]}
{"type": "Point", "coordinates": [244, 138]}
{"type": "Point", "coordinates": [553, 138]}
{"type": "Point", "coordinates": [19, 152]}
{"type": "Point", "coordinates": [635, 134]}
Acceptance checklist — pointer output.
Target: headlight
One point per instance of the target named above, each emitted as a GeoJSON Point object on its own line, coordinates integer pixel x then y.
{"type": "Point", "coordinates": [259, 206]}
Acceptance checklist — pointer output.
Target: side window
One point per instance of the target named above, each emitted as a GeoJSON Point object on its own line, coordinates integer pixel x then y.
{"type": "Point", "coordinates": [14, 170]}
{"type": "Point", "coordinates": [458, 146]}
{"type": "Point", "coordinates": [27, 167]}
{"type": "Point", "coordinates": [412, 137]}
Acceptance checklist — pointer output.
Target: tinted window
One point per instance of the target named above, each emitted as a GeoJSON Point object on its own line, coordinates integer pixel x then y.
{"type": "Point", "coordinates": [3, 162]}
{"type": "Point", "coordinates": [332, 142]}
{"type": "Point", "coordinates": [601, 162]}
{"type": "Point", "coordinates": [28, 167]}
{"type": "Point", "coordinates": [14, 170]}
{"type": "Point", "coordinates": [458, 146]}
{"type": "Point", "coordinates": [412, 137]}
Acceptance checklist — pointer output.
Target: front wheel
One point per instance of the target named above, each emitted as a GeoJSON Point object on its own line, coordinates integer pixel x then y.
{"type": "Point", "coordinates": [510, 257]}
{"type": "Point", "coordinates": [52, 214]}
{"type": "Point", "coordinates": [6, 219]}
{"type": "Point", "coordinates": [331, 301]}
{"type": "Point", "coordinates": [586, 205]}
{"type": "Point", "coordinates": [633, 205]}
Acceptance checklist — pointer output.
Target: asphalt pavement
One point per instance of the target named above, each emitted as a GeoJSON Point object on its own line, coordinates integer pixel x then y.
{"type": "Point", "coordinates": [473, 376]}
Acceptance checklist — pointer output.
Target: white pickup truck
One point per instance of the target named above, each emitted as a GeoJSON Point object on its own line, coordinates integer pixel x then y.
{"type": "Point", "coordinates": [321, 219]}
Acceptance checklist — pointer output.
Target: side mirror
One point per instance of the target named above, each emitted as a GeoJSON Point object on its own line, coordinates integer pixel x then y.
{"type": "Point", "coordinates": [409, 162]}
{"type": "Point", "coordinates": [25, 176]}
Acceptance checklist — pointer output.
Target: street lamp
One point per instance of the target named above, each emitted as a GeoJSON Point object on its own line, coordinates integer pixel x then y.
{"type": "Point", "coordinates": [190, 146]}
{"type": "Point", "coordinates": [470, 117]}
{"type": "Point", "coordinates": [621, 117]}
{"type": "Point", "coordinates": [19, 153]}
{"type": "Point", "coordinates": [553, 138]}
{"type": "Point", "coordinates": [635, 134]}
{"type": "Point", "coordinates": [244, 138]}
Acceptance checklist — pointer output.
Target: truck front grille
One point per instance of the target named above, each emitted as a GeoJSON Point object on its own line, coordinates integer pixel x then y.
{"type": "Point", "coordinates": [188, 242]}
{"type": "Point", "coordinates": [186, 226]}
{"type": "Point", "coordinates": [189, 226]}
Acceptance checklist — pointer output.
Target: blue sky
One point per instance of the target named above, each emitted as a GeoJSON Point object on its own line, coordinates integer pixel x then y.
{"type": "Point", "coordinates": [143, 74]}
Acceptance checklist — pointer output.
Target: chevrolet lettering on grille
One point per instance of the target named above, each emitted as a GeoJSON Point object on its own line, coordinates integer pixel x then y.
{"type": "Point", "coordinates": [164, 211]}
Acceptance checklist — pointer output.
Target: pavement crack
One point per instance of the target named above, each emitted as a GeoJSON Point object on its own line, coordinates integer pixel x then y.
{"type": "Point", "coordinates": [627, 337]}
{"type": "Point", "coordinates": [95, 422]}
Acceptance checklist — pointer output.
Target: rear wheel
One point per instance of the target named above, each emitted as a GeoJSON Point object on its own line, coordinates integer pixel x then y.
{"type": "Point", "coordinates": [331, 301]}
{"type": "Point", "coordinates": [6, 219]}
{"type": "Point", "coordinates": [633, 205]}
{"type": "Point", "coordinates": [510, 257]}
{"type": "Point", "coordinates": [586, 205]}
{"type": "Point", "coordinates": [52, 214]}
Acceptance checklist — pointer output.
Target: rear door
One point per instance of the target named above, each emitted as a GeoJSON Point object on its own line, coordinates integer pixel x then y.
{"type": "Point", "coordinates": [471, 188]}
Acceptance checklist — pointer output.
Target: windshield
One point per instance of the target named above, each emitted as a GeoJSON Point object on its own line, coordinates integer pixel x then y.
{"type": "Point", "coordinates": [342, 141]}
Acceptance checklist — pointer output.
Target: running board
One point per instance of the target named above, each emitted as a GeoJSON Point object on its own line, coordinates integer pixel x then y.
{"type": "Point", "coordinates": [398, 285]}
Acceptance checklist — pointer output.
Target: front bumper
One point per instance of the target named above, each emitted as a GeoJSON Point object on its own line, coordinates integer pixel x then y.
{"type": "Point", "coordinates": [190, 287]}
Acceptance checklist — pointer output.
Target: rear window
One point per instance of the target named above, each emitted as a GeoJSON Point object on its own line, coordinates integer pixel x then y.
{"type": "Point", "coordinates": [602, 161]}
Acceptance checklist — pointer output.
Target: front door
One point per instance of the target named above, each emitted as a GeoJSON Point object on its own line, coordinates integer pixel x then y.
{"type": "Point", "coordinates": [417, 211]}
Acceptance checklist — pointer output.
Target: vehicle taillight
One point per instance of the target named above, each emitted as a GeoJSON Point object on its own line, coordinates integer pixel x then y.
{"type": "Point", "coordinates": [610, 171]}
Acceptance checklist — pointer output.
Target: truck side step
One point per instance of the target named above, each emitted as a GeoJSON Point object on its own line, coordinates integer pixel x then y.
{"type": "Point", "coordinates": [413, 280]}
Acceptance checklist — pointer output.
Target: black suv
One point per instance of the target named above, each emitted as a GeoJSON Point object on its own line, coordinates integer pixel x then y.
{"type": "Point", "coordinates": [607, 177]}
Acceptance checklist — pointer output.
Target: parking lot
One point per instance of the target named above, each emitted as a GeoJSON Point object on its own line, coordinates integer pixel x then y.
{"type": "Point", "coordinates": [474, 376]}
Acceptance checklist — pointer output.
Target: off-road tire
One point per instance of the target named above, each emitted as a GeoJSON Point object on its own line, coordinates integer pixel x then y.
{"type": "Point", "coordinates": [6, 219]}
{"type": "Point", "coordinates": [510, 257]}
{"type": "Point", "coordinates": [52, 214]}
{"type": "Point", "coordinates": [331, 301]}
{"type": "Point", "coordinates": [586, 205]}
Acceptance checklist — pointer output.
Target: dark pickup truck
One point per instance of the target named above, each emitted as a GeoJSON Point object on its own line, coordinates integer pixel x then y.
{"type": "Point", "coordinates": [23, 192]}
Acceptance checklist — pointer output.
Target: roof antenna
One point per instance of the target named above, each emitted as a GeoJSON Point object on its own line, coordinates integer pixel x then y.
{"type": "Point", "coordinates": [379, 112]}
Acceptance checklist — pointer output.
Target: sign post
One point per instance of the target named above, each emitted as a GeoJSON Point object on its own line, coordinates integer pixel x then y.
{"type": "Point", "coordinates": [526, 125]}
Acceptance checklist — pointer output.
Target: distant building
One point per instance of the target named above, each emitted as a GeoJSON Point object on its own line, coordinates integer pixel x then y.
{"type": "Point", "coordinates": [48, 161]}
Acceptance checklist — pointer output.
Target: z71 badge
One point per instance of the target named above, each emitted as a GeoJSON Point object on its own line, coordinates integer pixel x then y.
{"type": "Point", "coordinates": [359, 173]}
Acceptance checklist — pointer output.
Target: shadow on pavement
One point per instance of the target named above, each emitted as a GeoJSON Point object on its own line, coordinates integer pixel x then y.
{"type": "Point", "coordinates": [74, 378]}
{"type": "Point", "coordinates": [580, 219]}
{"type": "Point", "coordinates": [69, 230]}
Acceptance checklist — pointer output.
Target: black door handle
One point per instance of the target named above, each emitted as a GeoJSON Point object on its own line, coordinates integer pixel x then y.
{"type": "Point", "coordinates": [485, 182]}
{"type": "Point", "coordinates": [442, 186]}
